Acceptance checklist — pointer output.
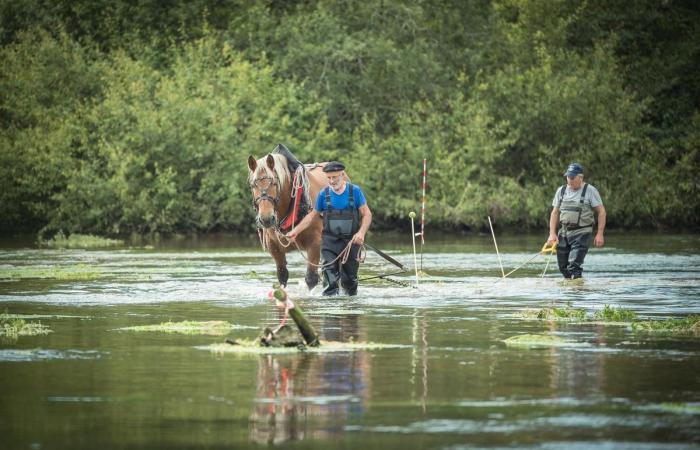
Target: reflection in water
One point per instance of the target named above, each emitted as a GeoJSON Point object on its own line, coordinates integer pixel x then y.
{"type": "Point", "coordinates": [306, 395]}
{"type": "Point", "coordinates": [576, 374]}
{"type": "Point", "coordinates": [419, 330]}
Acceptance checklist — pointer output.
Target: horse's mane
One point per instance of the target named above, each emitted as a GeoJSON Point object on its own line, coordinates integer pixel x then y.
{"type": "Point", "coordinates": [281, 170]}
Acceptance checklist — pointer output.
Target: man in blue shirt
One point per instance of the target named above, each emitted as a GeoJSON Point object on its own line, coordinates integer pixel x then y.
{"type": "Point", "coordinates": [346, 219]}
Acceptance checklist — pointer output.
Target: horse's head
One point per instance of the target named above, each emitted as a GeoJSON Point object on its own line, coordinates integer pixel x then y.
{"type": "Point", "coordinates": [267, 177]}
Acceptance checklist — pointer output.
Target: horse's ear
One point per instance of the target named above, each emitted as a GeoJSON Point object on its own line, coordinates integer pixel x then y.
{"type": "Point", "coordinates": [270, 162]}
{"type": "Point", "coordinates": [252, 163]}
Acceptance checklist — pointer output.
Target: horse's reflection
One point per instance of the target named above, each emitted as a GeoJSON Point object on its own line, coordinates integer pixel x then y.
{"type": "Point", "coordinates": [311, 394]}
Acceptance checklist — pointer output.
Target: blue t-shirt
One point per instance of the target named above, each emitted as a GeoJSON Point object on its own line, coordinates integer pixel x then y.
{"type": "Point", "coordinates": [340, 201]}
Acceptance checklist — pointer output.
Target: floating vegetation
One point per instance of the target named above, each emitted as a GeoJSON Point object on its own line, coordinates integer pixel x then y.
{"type": "Point", "coordinates": [686, 325]}
{"type": "Point", "coordinates": [680, 408]}
{"type": "Point", "coordinates": [337, 312]}
{"type": "Point", "coordinates": [609, 315]}
{"type": "Point", "coordinates": [12, 327]}
{"type": "Point", "coordinates": [80, 241]}
{"type": "Point", "coordinates": [252, 347]}
{"type": "Point", "coordinates": [253, 275]}
{"type": "Point", "coordinates": [612, 314]}
{"type": "Point", "coordinates": [538, 340]}
{"type": "Point", "coordinates": [212, 327]}
{"type": "Point", "coordinates": [553, 313]}
{"type": "Point", "coordinates": [78, 272]}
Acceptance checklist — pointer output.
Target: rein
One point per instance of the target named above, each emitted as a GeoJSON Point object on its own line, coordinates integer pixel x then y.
{"type": "Point", "coordinates": [342, 256]}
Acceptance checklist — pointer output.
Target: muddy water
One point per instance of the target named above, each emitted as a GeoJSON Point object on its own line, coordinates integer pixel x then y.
{"type": "Point", "coordinates": [454, 385]}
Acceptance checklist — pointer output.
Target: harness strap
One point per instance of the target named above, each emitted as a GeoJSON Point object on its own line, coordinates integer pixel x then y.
{"type": "Point", "coordinates": [580, 209]}
{"type": "Point", "coordinates": [351, 198]}
{"type": "Point", "coordinates": [583, 193]}
{"type": "Point", "coordinates": [562, 191]}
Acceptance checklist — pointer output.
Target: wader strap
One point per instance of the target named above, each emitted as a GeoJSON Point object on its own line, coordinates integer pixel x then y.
{"type": "Point", "coordinates": [351, 198]}
{"type": "Point", "coordinates": [580, 208]}
{"type": "Point", "coordinates": [583, 193]}
{"type": "Point", "coordinates": [562, 191]}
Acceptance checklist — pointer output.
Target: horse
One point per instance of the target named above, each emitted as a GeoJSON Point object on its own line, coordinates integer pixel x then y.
{"type": "Point", "coordinates": [272, 183]}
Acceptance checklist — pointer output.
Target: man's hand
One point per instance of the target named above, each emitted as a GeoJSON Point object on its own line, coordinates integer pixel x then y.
{"type": "Point", "coordinates": [552, 238]}
{"type": "Point", "coordinates": [292, 234]}
{"type": "Point", "coordinates": [599, 240]}
{"type": "Point", "coordinates": [358, 238]}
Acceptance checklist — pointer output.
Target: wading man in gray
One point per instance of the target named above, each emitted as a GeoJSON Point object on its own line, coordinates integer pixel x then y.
{"type": "Point", "coordinates": [573, 210]}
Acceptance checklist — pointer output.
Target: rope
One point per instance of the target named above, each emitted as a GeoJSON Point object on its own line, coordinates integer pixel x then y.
{"type": "Point", "coordinates": [342, 256]}
{"type": "Point", "coordinates": [546, 266]}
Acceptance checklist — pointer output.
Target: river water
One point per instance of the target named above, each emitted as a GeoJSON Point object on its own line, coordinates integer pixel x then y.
{"type": "Point", "coordinates": [452, 384]}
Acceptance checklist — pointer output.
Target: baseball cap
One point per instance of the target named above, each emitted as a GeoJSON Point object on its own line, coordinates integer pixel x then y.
{"type": "Point", "coordinates": [573, 170]}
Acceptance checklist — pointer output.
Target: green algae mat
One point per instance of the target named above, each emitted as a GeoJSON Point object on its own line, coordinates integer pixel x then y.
{"type": "Point", "coordinates": [212, 327]}
{"type": "Point", "coordinates": [252, 347]}
{"type": "Point", "coordinates": [12, 326]}
{"type": "Point", "coordinates": [540, 340]}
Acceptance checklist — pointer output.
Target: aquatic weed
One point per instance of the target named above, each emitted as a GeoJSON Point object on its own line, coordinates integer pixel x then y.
{"type": "Point", "coordinates": [253, 347]}
{"type": "Point", "coordinates": [12, 327]}
{"type": "Point", "coordinates": [80, 241]}
{"type": "Point", "coordinates": [212, 327]}
{"type": "Point", "coordinates": [612, 314]}
{"type": "Point", "coordinates": [79, 272]}
{"type": "Point", "coordinates": [566, 313]}
{"type": "Point", "coordinates": [681, 408]}
{"type": "Point", "coordinates": [535, 340]}
{"type": "Point", "coordinates": [686, 325]}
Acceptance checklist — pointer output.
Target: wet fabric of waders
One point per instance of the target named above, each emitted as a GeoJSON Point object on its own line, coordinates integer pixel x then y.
{"type": "Point", "coordinates": [339, 226]}
{"type": "Point", "coordinates": [576, 221]}
{"type": "Point", "coordinates": [571, 251]}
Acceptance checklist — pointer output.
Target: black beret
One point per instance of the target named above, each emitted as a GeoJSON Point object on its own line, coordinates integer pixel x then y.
{"type": "Point", "coordinates": [333, 166]}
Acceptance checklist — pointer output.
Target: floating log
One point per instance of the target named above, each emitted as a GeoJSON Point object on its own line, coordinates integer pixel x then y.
{"type": "Point", "coordinates": [307, 330]}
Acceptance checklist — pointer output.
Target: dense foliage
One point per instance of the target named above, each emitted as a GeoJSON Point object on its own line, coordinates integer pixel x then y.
{"type": "Point", "coordinates": [138, 117]}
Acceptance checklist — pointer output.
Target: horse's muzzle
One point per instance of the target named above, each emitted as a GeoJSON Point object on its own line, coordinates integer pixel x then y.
{"type": "Point", "coordinates": [267, 221]}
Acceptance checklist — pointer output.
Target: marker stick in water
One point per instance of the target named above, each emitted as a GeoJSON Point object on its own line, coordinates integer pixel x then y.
{"type": "Point", "coordinates": [412, 215]}
{"type": "Point", "coordinates": [503, 273]}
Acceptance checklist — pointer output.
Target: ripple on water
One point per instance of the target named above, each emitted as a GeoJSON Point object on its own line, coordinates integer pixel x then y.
{"type": "Point", "coordinates": [13, 355]}
{"type": "Point", "coordinates": [563, 421]}
{"type": "Point", "coordinates": [587, 445]}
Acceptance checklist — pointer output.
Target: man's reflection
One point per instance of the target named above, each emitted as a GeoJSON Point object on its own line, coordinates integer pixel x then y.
{"type": "Point", "coordinates": [314, 395]}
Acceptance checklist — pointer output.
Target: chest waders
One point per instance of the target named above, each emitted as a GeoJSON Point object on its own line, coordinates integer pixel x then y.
{"type": "Point", "coordinates": [573, 214]}
{"type": "Point", "coordinates": [339, 226]}
{"type": "Point", "coordinates": [576, 220]}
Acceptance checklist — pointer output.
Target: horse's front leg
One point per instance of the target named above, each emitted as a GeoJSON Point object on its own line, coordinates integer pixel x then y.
{"type": "Point", "coordinates": [281, 263]}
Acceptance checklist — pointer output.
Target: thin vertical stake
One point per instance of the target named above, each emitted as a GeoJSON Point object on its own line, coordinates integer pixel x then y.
{"type": "Point", "coordinates": [422, 209]}
{"type": "Point", "coordinates": [503, 273]}
{"type": "Point", "coordinates": [422, 213]}
{"type": "Point", "coordinates": [413, 235]}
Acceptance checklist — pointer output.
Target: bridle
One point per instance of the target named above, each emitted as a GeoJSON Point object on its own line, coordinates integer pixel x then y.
{"type": "Point", "coordinates": [269, 182]}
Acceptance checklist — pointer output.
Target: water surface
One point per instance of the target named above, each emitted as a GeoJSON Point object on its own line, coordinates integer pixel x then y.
{"type": "Point", "coordinates": [455, 385]}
